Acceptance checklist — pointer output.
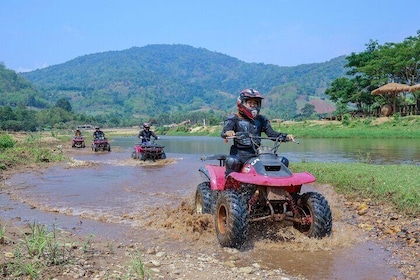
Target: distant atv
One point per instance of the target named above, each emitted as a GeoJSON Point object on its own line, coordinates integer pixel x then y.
{"type": "Point", "coordinates": [265, 188]}
{"type": "Point", "coordinates": [78, 142]}
{"type": "Point", "coordinates": [148, 151]}
{"type": "Point", "coordinates": [100, 144]}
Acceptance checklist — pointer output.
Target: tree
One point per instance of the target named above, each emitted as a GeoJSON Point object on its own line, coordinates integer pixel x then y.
{"type": "Point", "coordinates": [63, 104]}
{"type": "Point", "coordinates": [374, 67]}
{"type": "Point", "coordinates": [308, 110]}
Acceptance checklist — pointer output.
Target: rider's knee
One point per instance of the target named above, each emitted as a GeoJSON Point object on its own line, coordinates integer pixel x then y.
{"type": "Point", "coordinates": [232, 164]}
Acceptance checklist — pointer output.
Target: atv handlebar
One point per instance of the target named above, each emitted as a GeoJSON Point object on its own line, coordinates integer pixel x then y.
{"type": "Point", "coordinates": [244, 135]}
{"type": "Point", "coordinates": [256, 144]}
{"type": "Point", "coordinates": [156, 138]}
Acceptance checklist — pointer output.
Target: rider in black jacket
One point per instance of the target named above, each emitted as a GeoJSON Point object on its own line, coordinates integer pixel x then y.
{"type": "Point", "coordinates": [98, 134]}
{"type": "Point", "coordinates": [146, 134]}
{"type": "Point", "coordinates": [247, 121]}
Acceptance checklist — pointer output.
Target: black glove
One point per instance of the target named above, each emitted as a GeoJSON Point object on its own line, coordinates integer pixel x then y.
{"type": "Point", "coordinates": [282, 137]}
{"type": "Point", "coordinates": [242, 135]}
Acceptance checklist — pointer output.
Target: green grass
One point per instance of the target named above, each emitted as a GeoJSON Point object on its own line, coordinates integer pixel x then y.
{"type": "Point", "coordinates": [42, 251]}
{"type": "Point", "coordinates": [137, 269]}
{"type": "Point", "coordinates": [2, 234]}
{"type": "Point", "coordinates": [6, 141]}
{"type": "Point", "coordinates": [36, 252]}
{"type": "Point", "coordinates": [395, 127]}
{"type": "Point", "coordinates": [32, 149]}
{"type": "Point", "coordinates": [395, 184]}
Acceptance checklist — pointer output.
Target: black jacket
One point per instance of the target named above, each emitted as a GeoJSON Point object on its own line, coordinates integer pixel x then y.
{"type": "Point", "coordinates": [253, 127]}
{"type": "Point", "coordinates": [146, 134]}
{"type": "Point", "coordinates": [98, 134]}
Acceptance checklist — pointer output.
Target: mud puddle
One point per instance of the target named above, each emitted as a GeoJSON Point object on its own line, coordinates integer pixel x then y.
{"type": "Point", "coordinates": [114, 196]}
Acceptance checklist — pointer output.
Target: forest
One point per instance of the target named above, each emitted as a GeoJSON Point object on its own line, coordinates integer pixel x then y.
{"type": "Point", "coordinates": [166, 84]}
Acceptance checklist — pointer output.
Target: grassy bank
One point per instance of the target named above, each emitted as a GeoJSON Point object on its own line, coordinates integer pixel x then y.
{"type": "Point", "coordinates": [25, 149]}
{"type": "Point", "coordinates": [392, 127]}
{"type": "Point", "coordinates": [398, 185]}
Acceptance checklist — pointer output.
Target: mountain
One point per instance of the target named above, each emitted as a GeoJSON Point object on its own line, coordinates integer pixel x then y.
{"type": "Point", "coordinates": [15, 90]}
{"type": "Point", "coordinates": [156, 79]}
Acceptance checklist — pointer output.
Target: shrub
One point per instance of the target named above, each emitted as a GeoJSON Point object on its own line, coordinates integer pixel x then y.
{"type": "Point", "coordinates": [6, 141]}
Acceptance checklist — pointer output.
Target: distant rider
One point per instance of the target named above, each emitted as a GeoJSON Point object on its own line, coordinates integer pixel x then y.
{"type": "Point", "coordinates": [78, 134]}
{"type": "Point", "coordinates": [145, 134]}
{"type": "Point", "coordinates": [247, 121]}
{"type": "Point", "coordinates": [98, 134]}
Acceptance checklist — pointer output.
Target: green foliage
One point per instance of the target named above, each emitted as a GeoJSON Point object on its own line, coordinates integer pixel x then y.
{"type": "Point", "coordinates": [36, 251]}
{"type": "Point", "coordinates": [137, 269]}
{"type": "Point", "coordinates": [346, 119]}
{"type": "Point", "coordinates": [32, 149]}
{"type": "Point", "coordinates": [15, 90]}
{"type": "Point", "coordinates": [63, 104]}
{"type": "Point", "coordinates": [374, 67]}
{"type": "Point", "coordinates": [6, 141]}
{"type": "Point", "coordinates": [308, 110]}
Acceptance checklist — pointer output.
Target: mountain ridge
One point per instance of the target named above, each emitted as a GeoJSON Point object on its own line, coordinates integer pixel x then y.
{"type": "Point", "coordinates": [158, 79]}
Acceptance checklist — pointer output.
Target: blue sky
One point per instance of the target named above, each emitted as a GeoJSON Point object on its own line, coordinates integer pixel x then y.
{"type": "Point", "coordinates": [40, 33]}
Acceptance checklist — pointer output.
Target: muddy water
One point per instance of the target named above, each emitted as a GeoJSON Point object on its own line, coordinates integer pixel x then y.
{"type": "Point", "coordinates": [112, 195]}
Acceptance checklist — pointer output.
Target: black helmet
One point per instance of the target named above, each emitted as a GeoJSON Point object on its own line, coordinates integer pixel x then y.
{"type": "Point", "coordinates": [246, 94]}
{"type": "Point", "coordinates": [146, 125]}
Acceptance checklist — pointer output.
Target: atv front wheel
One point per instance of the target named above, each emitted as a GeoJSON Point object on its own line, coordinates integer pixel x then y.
{"type": "Point", "coordinates": [231, 219]}
{"type": "Point", "coordinates": [203, 198]}
{"type": "Point", "coordinates": [316, 215]}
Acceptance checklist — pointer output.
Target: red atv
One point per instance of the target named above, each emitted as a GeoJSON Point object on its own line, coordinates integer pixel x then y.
{"type": "Point", "coordinates": [100, 144]}
{"type": "Point", "coordinates": [78, 142]}
{"type": "Point", "coordinates": [265, 188]}
{"type": "Point", "coordinates": [148, 150]}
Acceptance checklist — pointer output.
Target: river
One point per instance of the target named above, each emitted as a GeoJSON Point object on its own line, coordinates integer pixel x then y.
{"type": "Point", "coordinates": [119, 197]}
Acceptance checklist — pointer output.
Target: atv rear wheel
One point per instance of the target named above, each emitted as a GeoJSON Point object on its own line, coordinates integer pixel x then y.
{"type": "Point", "coordinates": [203, 198]}
{"type": "Point", "coordinates": [231, 219]}
{"type": "Point", "coordinates": [316, 216]}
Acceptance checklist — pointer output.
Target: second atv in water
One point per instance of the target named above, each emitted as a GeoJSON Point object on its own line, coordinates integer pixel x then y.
{"type": "Point", "coordinates": [100, 144]}
{"type": "Point", "coordinates": [148, 150]}
{"type": "Point", "coordinates": [265, 188]}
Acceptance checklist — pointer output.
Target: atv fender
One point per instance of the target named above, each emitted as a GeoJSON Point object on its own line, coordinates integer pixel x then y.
{"type": "Point", "coordinates": [215, 174]}
{"type": "Point", "coordinates": [291, 183]}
